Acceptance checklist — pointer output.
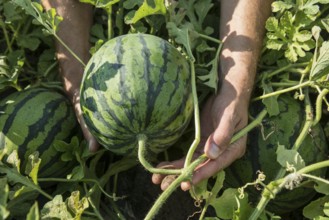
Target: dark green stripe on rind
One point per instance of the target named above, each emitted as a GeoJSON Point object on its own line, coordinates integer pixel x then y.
{"type": "Point", "coordinates": [32, 120]}
{"type": "Point", "coordinates": [150, 93]}
{"type": "Point", "coordinates": [18, 104]}
{"type": "Point", "coordinates": [261, 155]}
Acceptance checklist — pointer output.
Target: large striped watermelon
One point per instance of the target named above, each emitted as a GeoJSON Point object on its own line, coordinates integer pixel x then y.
{"type": "Point", "coordinates": [31, 120]}
{"type": "Point", "coordinates": [282, 129]}
{"type": "Point", "coordinates": [137, 85]}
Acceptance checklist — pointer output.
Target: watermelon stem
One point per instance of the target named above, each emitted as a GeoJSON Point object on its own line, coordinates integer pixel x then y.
{"type": "Point", "coordinates": [301, 85]}
{"type": "Point", "coordinates": [142, 152]}
{"type": "Point", "coordinates": [318, 107]}
{"type": "Point", "coordinates": [187, 172]}
{"type": "Point", "coordinates": [196, 141]}
{"type": "Point", "coordinates": [275, 186]}
{"type": "Point", "coordinates": [69, 49]}
{"type": "Point", "coordinates": [108, 10]}
{"type": "Point", "coordinates": [185, 175]}
{"type": "Point", "coordinates": [308, 123]}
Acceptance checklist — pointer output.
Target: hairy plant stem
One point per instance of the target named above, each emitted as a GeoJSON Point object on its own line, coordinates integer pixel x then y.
{"type": "Point", "coordinates": [307, 125]}
{"type": "Point", "coordinates": [210, 39]}
{"type": "Point", "coordinates": [318, 106]}
{"type": "Point", "coordinates": [197, 132]}
{"type": "Point", "coordinates": [287, 67]}
{"type": "Point", "coordinates": [142, 152]}
{"type": "Point", "coordinates": [304, 84]}
{"type": "Point", "coordinates": [185, 175]}
{"type": "Point", "coordinates": [5, 33]}
{"type": "Point", "coordinates": [109, 22]}
{"type": "Point", "coordinates": [274, 187]}
{"type": "Point", "coordinates": [69, 49]}
{"type": "Point", "coordinates": [319, 179]}
{"type": "Point", "coordinates": [187, 172]}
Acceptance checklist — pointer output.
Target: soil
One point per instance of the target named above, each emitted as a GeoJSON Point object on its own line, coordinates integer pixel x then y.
{"type": "Point", "coordinates": [142, 193]}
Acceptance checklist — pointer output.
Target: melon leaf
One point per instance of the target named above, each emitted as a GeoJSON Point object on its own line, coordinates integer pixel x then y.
{"type": "Point", "coordinates": [4, 191]}
{"type": "Point", "coordinates": [33, 213]}
{"type": "Point", "coordinates": [147, 9]}
{"type": "Point", "coordinates": [56, 209]}
{"type": "Point", "coordinates": [288, 157]}
{"type": "Point", "coordinates": [315, 208]}
{"type": "Point", "coordinates": [322, 187]}
{"type": "Point", "coordinates": [32, 166]}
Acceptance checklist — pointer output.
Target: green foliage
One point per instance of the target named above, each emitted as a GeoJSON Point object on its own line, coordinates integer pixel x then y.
{"type": "Point", "coordinates": [294, 60]}
{"type": "Point", "coordinates": [71, 208]}
{"type": "Point", "coordinates": [28, 55]}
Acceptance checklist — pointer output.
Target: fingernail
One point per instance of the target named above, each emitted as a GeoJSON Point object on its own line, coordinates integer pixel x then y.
{"type": "Point", "coordinates": [185, 186]}
{"type": "Point", "coordinates": [214, 151]}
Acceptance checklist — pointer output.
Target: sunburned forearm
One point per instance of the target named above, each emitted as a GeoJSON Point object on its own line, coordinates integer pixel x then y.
{"type": "Point", "coordinates": [74, 31]}
{"type": "Point", "coordinates": [242, 31]}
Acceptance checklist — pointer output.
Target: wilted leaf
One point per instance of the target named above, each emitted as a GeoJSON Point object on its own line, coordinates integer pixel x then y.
{"type": "Point", "coordinates": [76, 205]}
{"type": "Point", "coordinates": [14, 160]}
{"type": "Point", "coordinates": [55, 209]}
{"type": "Point", "coordinates": [32, 166]}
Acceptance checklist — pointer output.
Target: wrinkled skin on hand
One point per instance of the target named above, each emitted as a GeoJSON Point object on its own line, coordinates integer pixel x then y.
{"type": "Point", "coordinates": [222, 116]}
{"type": "Point", "coordinates": [241, 30]}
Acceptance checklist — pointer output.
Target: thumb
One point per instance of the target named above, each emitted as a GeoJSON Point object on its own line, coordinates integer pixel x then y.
{"type": "Point", "coordinates": [220, 139]}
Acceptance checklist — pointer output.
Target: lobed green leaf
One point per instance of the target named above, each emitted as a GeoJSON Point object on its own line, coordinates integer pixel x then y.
{"type": "Point", "coordinates": [287, 157]}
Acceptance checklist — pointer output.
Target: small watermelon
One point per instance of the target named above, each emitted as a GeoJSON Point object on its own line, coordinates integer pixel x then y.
{"type": "Point", "coordinates": [31, 120]}
{"type": "Point", "coordinates": [262, 144]}
{"type": "Point", "coordinates": [137, 84]}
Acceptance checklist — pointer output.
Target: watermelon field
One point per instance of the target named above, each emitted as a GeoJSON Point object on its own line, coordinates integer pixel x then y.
{"type": "Point", "coordinates": [47, 171]}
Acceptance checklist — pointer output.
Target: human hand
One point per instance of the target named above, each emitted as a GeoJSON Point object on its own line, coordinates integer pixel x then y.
{"type": "Point", "coordinates": [222, 116]}
{"type": "Point", "coordinates": [91, 140]}
{"type": "Point", "coordinates": [77, 21]}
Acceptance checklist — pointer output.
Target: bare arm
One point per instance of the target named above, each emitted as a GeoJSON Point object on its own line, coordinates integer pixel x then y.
{"type": "Point", "coordinates": [74, 30]}
{"type": "Point", "coordinates": [242, 29]}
